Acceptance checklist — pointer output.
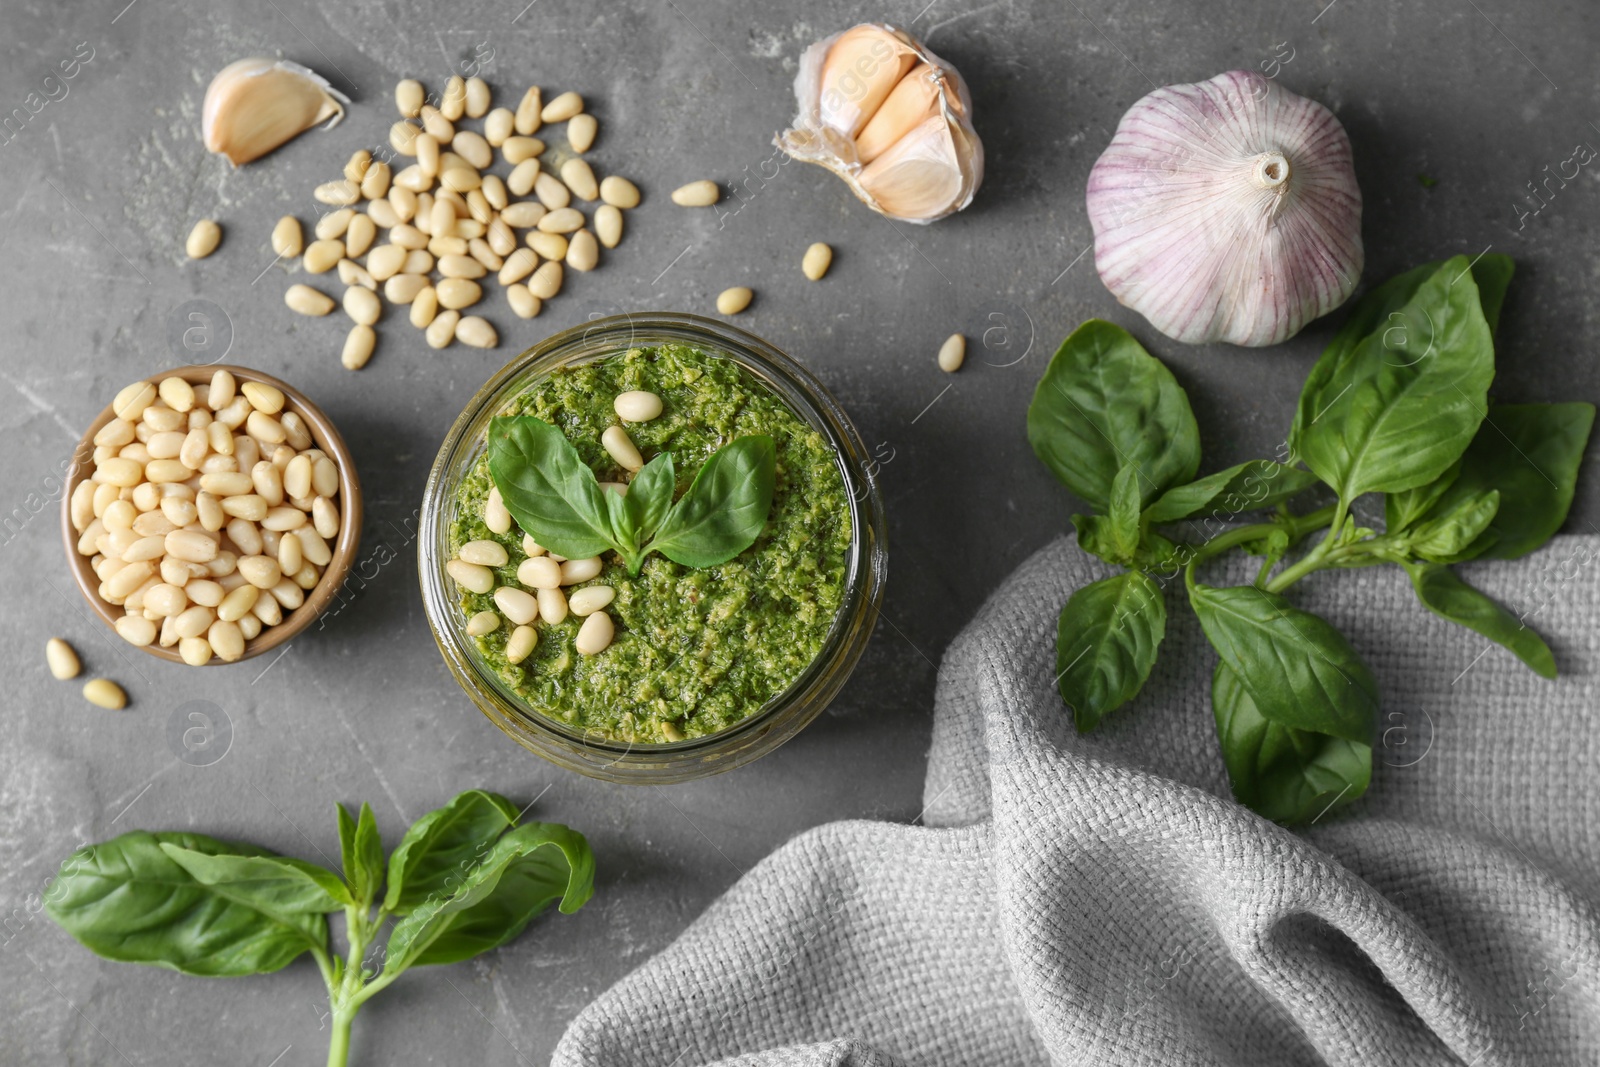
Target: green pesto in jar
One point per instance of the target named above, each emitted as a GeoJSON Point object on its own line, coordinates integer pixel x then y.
{"type": "Point", "coordinates": [695, 650]}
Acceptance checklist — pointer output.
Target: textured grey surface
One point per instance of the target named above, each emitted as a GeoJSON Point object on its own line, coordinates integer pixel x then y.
{"type": "Point", "coordinates": [104, 182]}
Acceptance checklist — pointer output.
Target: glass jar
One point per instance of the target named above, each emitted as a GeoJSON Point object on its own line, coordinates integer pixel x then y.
{"type": "Point", "coordinates": [783, 715]}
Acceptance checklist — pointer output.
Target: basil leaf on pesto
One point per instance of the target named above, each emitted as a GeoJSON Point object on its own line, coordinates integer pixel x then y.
{"type": "Point", "coordinates": [725, 507]}
{"type": "Point", "coordinates": [649, 496]}
{"type": "Point", "coordinates": [548, 488]}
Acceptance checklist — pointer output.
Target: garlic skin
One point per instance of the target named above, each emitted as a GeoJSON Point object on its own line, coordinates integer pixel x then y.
{"type": "Point", "coordinates": [891, 118]}
{"type": "Point", "coordinates": [1227, 210]}
{"type": "Point", "coordinates": [254, 105]}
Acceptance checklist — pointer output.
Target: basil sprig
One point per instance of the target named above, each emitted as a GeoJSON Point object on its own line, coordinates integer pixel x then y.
{"type": "Point", "coordinates": [465, 879]}
{"type": "Point", "coordinates": [557, 500]}
{"type": "Point", "coordinates": [1398, 404]}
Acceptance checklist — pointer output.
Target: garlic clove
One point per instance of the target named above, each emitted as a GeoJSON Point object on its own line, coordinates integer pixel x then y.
{"type": "Point", "coordinates": [254, 105]}
{"type": "Point", "coordinates": [1227, 210]}
{"type": "Point", "coordinates": [911, 102]}
{"type": "Point", "coordinates": [891, 119]}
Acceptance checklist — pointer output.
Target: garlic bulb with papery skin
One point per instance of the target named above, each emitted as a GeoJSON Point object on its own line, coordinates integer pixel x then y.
{"type": "Point", "coordinates": [255, 105]}
{"type": "Point", "coordinates": [1227, 210]}
{"type": "Point", "coordinates": [889, 117]}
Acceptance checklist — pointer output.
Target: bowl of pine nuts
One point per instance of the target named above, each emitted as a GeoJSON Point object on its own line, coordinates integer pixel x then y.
{"type": "Point", "coordinates": [211, 513]}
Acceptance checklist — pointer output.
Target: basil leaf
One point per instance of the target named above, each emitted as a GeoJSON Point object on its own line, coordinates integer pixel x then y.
{"type": "Point", "coordinates": [361, 853]}
{"type": "Point", "coordinates": [442, 845]}
{"type": "Point", "coordinates": [649, 495]}
{"type": "Point", "coordinates": [1106, 643]}
{"type": "Point", "coordinates": [1105, 403]}
{"type": "Point", "coordinates": [126, 899]}
{"type": "Point", "coordinates": [279, 886]}
{"type": "Point", "coordinates": [1257, 484]}
{"type": "Point", "coordinates": [1297, 668]}
{"type": "Point", "coordinates": [1443, 592]}
{"type": "Point", "coordinates": [1530, 453]}
{"type": "Point", "coordinates": [725, 507]}
{"type": "Point", "coordinates": [1445, 537]}
{"type": "Point", "coordinates": [547, 487]}
{"type": "Point", "coordinates": [1493, 275]}
{"type": "Point", "coordinates": [493, 900]}
{"type": "Point", "coordinates": [1124, 510]}
{"type": "Point", "coordinates": [1283, 774]}
{"type": "Point", "coordinates": [1097, 537]}
{"type": "Point", "coordinates": [1402, 510]}
{"type": "Point", "coordinates": [1399, 407]}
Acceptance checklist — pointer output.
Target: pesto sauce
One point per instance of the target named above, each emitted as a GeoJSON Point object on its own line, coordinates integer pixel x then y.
{"type": "Point", "coordinates": [696, 650]}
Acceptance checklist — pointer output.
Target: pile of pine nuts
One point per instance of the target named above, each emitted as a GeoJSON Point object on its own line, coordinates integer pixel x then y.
{"type": "Point", "coordinates": [544, 572]}
{"type": "Point", "coordinates": [208, 513]}
{"type": "Point", "coordinates": [449, 223]}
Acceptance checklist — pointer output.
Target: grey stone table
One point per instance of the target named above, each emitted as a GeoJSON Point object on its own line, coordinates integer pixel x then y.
{"type": "Point", "coordinates": [1453, 106]}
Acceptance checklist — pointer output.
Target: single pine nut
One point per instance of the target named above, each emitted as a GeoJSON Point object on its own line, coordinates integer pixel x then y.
{"type": "Point", "coordinates": [287, 239]}
{"type": "Point", "coordinates": [424, 306]}
{"type": "Point", "coordinates": [383, 214]}
{"type": "Point", "coordinates": [119, 472]}
{"type": "Point", "coordinates": [353, 273]}
{"type": "Point", "coordinates": [439, 125]}
{"type": "Point", "coordinates": [478, 205]}
{"type": "Point", "coordinates": [594, 636]}
{"type": "Point", "coordinates": [562, 220]}
{"type": "Point", "coordinates": [591, 599]}
{"type": "Point", "coordinates": [421, 260]}
{"type": "Point", "coordinates": [608, 224]}
{"type": "Point", "coordinates": [454, 102]}
{"type": "Point", "coordinates": [359, 237]}
{"type": "Point", "coordinates": [581, 130]}
{"type": "Point", "coordinates": [520, 645]}
{"type": "Point", "coordinates": [551, 191]}
{"type": "Point", "coordinates": [702, 193]}
{"type": "Point", "coordinates": [523, 303]}
{"type": "Point", "coordinates": [265, 398]}
{"type": "Point", "coordinates": [455, 266]}
{"type": "Point", "coordinates": [460, 178]}
{"type": "Point", "coordinates": [562, 108]}
{"type": "Point", "coordinates": [161, 418]}
{"type": "Point", "coordinates": [313, 547]}
{"type": "Point", "coordinates": [583, 252]}
{"type": "Point", "coordinates": [192, 622]}
{"type": "Point", "coordinates": [325, 517]}
{"type": "Point", "coordinates": [225, 639]}
{"type": "Point", "coordinates": [546, 281]}
{"type": "Point", "coordinates": [322, 256]}
{"type": "Point", "coordinates": [404, 202]}
{"type": "Point", "coordinates": [500, 124]}
{"type": "Point", "coordinates": [539, 572]}
{"type": "Point", "coordinates": [478, 97]}
{"type": "Point", "coordinates": [475, 331]}
{"type": "Point", "coordinates": [116, 433]}
{"type": "Point", "coordinates": [163, 600]}
{"type": "Point", "coordinates": [412, 180]}
{"type": "Point", "coordinates": [355, 168]}
{"type": "Point", "coordinates": [552, 606]}
{"type": "Point", "coordinates": [61, 659]}
{"type": "Point", "coordinates": [484, 622]}
{"type": "Point", "coordinates": [531, 547]}
{"type": "Point", "coordinates": [405, 236]}
{"type": "Point", "coordinates": [952, 353]}
{"type": "Point", "coordinates": [619, 192]}
{"type": "Point", "coordinates": [191, 546]}
{"type": "Point", "coordinates": [458, 292]}
{"type": "Point", "coordinates": [428, 154]}
{"type": "Point", "coordinates": [209, 510]}
{"type": "Point", "coordinates": [249, 506]}
{"type": "Point", "coordinates": [574, 571]}
{"type": "Point", "coordinates": [196, 651]}
{"type": "Point", "coordinates": [133, 399]}
{"type": "Point", "coordinates": [548, 245]}
{"type": "Point", "coordinates": [385, 261]}
{"type": "Point", "coordinates": [816, 261]}
{"type": "Point", "coordinates": [527, 118]}
{"type": "Point", "coordinates": [408, 97]}
{"type": "Point", "coordinates": [203, 239]}
{"type": "Point", "coordinates": [290, 557]}
{"type": "Point", "coordinates": [362, 305]}
{"type": "Point", "coordinates": [516, 604]}
{"type": "Point", "coordinates": [442, 219]}
{"type": "Point", "coordinates": [484, 553]}
{"type": "Point", "coordinates": [343, 191]}
{"type": "Point", "coordinates": [221, 390]}
{"type": "Point", "coordinates": [260, 571]}
{"type": "Point", "coordinates": [164, 446]}
{"type": "Point", "coordinates": [324, 476]}
{"type": "Point", "coordinates": [233, 415]}
{"type": "Point", "coordinates": [521, 180]}
{"type": "Point", "coordinates": [375, 183]}
{"type": "Point", "coordinates": [621, 447]}
{"type": "Point", "coordinates": [518, 265]}
{"type": "Point", "coordinates": [403, 288]}
{"type": "Point", "coordinates": [732, 301]}
{"type": "Point", "coordinates": [195, 446]}
{"type": "Point", "coordinates": [637, 405]}
{"type": "Point", "coordinates": [104, 693]}
{"type": "Point", "coordinates": [494, 191]}
{"type": "Point", "coordinates": [523, 214]}
{"type": "Point", "coordinates": [495, 515]}
{"type": "Point", "coordinates": [579, 177]}
{"type": "Point", "coordinates": [250, 627]}
{"type": "Point", "coordinates": [264, 427]}
{"type": "Point", "coordinates": [129, 578]}
{"type": "Point", "coordinates": [471, 147]}
{"type": "Point", "coordinates": [334, 224]}
{"type": "Point", "coordinates": [288, 595]}
{"type": "Point", "coordinates": [297, 477]}
{"type": "Point", "coordinates": [442, 330]}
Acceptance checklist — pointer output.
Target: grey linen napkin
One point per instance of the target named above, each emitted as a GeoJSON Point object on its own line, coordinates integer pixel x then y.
{"type": "Point", "coordinates": [1102, 899]}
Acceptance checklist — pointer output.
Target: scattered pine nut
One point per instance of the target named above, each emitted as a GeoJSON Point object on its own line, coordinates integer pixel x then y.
{"type": "Point", "coordinates": [478, 98]}
{"type": "Point", "coordinates": [484, 622]}
{"type": "Point", "coordinates": [61, 658]}
{"type": "Point", "coordinates": [203, 239]}
{"type": "Point", "coordinates": [528, 118]}
{"type": "Point", "coordinates": [590, 599]}
{"type": "Point", "coordinates": [104, 693]}
{"type": "Point", "coordinates": [562, 108]}
{"type": "Point", "coordinates": [408, 97]}
{"type": "Point", "coordinates": [583, 252]}
{"type": "Point", "coordinates": [521, 643]}
{"type": "Point", "coordinates": [523, 303]}
{"type": "Point", "coordinates": [619, 192]}
{"type": "Point", "coordinates": [637, 405]}
{"type": "Point", "coordinates": [732, 301]}
{"type": "Point", "coordinates": [358, 346]}
{"type": "Point", "coordinates": [608, 224]}
{"type": "Point", "coordinates": [307, 301]}
{"type": "Point", "coordinates": [595, 635]}
{"type": "Point", "coordinates": [581, 130]}
{"type": "Point", "coordinates": [287, 239]}
{"type": "Point", "coordinates": [817, 260]}
{"type": "Point", "coordinates": [952, 353]}
{"type": "Point", "coordinates": [476, 332]}
{"type": "Point", "coordinates": [702, 193]}
{"type": "Point", "coordinates": [621, 448]}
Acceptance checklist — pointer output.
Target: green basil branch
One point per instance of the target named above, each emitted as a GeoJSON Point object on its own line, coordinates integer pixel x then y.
{"type": "Point", "coordinates": [463, 880]}
{"type": "Point", "coordinates": [557, 500]}
{"type": "Point", "coordinates": [1398, 404]}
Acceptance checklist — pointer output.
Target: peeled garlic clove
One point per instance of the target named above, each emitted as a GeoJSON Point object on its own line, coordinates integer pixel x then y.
{"type": "Point", "coordinates": [1227, 210]}
{"type": "Point", "coordinates": [255, 105]}
{"type": "Point", "coordinates": [889, 117]}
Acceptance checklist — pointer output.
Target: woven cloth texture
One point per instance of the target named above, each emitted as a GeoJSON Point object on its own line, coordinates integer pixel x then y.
{"type": "Point", "coordinates": [1101, 899]}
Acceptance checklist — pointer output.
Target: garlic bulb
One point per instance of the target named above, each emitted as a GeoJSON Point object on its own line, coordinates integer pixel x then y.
{"type": "Point", "coordinates": [889, 117]}
{"type": "Point", "coordinates": [255, 105]}
{"type": "Point", "coordinates": [1227, 210]}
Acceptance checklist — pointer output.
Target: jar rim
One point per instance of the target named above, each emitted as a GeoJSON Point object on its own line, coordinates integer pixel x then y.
{"type": "Point", "coordinates": [786, 711]}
